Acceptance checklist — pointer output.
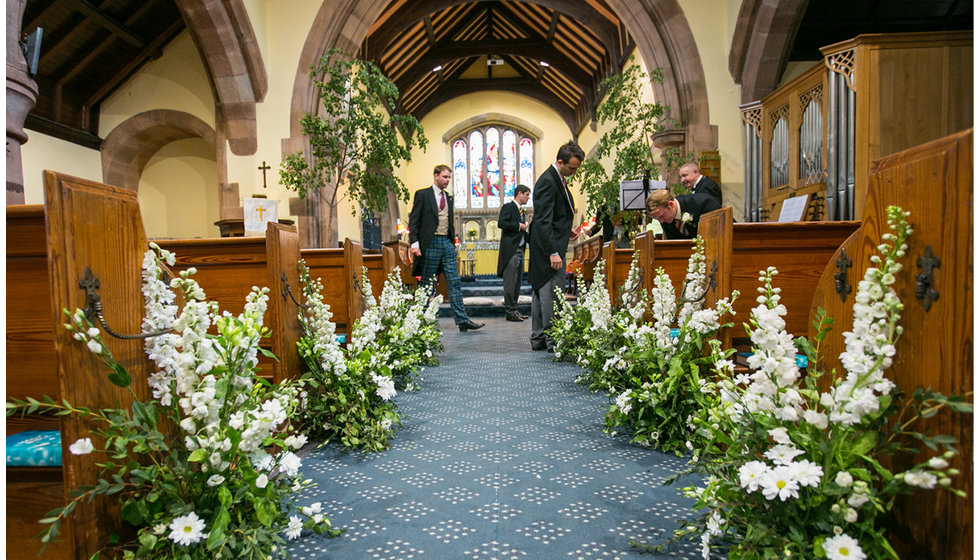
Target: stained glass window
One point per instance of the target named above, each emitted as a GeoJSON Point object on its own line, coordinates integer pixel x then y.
{"type": "Point", "coordinates": [459, 174]}
{"type": "Point", "coordinates": [476, 169]}
{"type": "Point", "coordinates": [526, 176]}
{"type": "Point", "coordinates": [488, 163]}
{"type": "Point", "coordinates": [509, 156]}
{"type": "Point", "coordinates": [493, 168]}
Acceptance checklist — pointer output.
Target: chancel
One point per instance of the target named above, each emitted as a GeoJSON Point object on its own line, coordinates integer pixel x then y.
{"type": "Point", "coordinates": [209, 354]}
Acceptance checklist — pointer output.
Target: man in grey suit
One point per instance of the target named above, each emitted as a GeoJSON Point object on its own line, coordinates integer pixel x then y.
{"type": "Point", "coordinates": [551, 229]}
{"type": "Point", "coordinates": [510, 258]}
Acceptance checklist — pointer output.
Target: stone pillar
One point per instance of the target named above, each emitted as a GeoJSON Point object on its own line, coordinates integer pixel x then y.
{"type": "Point", "coordinates": [21, 95]}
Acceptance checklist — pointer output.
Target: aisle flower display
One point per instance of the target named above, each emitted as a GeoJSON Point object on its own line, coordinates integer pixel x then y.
{"type": "Point", "coordinates": [654, 371]}
{"type": "Point", "coordinates": [794, 471]}
{"type": "Point", "coordinates": [350, 391]}
{"type": "Point", "coordinates": [207, 467]}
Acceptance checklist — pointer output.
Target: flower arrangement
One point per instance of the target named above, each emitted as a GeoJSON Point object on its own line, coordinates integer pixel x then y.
{"type": "Point", "coordinates": [664, 366]}
{"type": "Point", "coordinates": [472, 233]}
{"type": "Point", "coordinates": [653, 371]}
{"type": "Point", "coordinates": [350, 392]}
{"type": "Point", "coordinates": [794, 471]}
{"type": "Point", "coordinates": [205, 468]}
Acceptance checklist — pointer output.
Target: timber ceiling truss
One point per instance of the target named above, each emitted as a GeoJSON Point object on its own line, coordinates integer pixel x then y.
{"type": "Point", "coordinates": [553, 51]}
{"type": "Point", "coordinates": [88, 49]}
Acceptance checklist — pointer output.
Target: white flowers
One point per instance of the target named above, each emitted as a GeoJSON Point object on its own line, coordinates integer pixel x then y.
{"type": "Point", "coordinates": [686, 218]}
{"type": "Point", "coordinates": [920, 479]}
{"type": "Point", "coordinates": [83, 446]}
{"type": "Point", "coordinates": [294, 528]}
{"type": "Point", "coordinates": [187, 530]}
{"type": "Point", "coordinates": [843, 547]}
{"type": "Point", "coordinates": [623, 402]}
{"type": "Point", "coordinates": [844, 479]}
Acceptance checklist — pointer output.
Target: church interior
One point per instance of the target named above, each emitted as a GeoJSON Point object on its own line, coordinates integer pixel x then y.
{"type": "Point", "coordinates": [136, 121]}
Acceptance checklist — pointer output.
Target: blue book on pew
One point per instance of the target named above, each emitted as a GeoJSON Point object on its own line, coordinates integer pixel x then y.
{"type": "Point", "coordinates": [801, 361]}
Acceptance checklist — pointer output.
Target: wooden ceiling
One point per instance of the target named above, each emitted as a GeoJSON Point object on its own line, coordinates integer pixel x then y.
{"type": "Point", "coordinates": [91, 47]}
{"type": "Point", "coordinates": [553, 51]}
{"type": "Point", "coordinates": [88, 49]}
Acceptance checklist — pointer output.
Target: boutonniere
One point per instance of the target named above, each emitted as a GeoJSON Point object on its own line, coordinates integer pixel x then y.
{"type": "Point", "coordinates": [686, 218]}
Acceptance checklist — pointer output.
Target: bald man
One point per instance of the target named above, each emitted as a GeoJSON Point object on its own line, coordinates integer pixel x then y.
{"type": "Point", "coordinates": [692, 178]}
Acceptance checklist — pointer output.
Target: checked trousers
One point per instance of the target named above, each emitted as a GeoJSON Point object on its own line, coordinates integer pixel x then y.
{"type": "Point", "coordinates": [441, 255]}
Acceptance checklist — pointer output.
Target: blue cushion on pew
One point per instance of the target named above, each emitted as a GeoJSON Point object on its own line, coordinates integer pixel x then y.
{"type": "Point", "coordinates": [340, 338]}
{"type": "Point", "coordinates": [34, 448]}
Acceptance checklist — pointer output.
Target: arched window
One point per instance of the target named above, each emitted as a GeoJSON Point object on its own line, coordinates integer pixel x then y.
{"type": "Point", "coordinates": [488, 163]}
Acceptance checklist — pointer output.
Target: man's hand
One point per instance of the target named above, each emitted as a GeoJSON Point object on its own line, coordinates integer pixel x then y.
{"type": "Point", "coordinates": [414, 252]}
{"type": "Point", "coordinates": [574, 235]}
{"type": "Point", "coordinates": [555, 262]}
{"type": "Point", "coordinates": [524, 226]}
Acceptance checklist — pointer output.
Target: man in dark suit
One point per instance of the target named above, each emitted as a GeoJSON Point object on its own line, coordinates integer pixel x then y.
{"type": "Point", "coordinates": [692, 178]}
{"type": "Point", "coordinates": [551, 229]}
{"type": "Point", "coordinates": [510, 258]}
{"type": "Point", "coordinates": [430, 230]}
{"type": "Point", "coordinates": [679, 216]}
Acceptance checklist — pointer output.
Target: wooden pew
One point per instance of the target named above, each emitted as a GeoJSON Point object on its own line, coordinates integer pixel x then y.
{"type": "Point", "coordinates": [228, 268]}
{"type": "Point", "coordinates": [737, 252]}
{"type": "Point", "coordinates": [340, 272]}
{"type": "Point", "coordinates": [935, 183]}
{"type": "Point", "coordinates": [87, 226]}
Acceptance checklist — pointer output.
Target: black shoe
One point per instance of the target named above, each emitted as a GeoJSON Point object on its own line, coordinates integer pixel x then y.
{"type": "Point", "coordinates": [523, 316]}
{"type": "Point", "coordinates": [515, 318]}
{"type": "Point", "coordinates": [538, 347]}
{"type": "Point", "coordinates": [469, 326]}
{"type": "Point", "coordinates": [551, 349]}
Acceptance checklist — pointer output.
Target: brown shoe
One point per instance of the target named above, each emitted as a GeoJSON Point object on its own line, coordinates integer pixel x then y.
{"type": "Point", "coordinates": [470, 326]}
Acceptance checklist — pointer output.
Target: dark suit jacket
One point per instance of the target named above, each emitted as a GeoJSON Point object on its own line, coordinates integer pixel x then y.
{"type": "Point", "coordinates": [695, 205]}
{"type": "Point", "coordinates": [424, 219]}
{"type": "Point", "coordinates": [509, 222]}
{"type": "Point", "coordinates": [551, 225]}
{"type": "Point", "coordinates": [605, 223]}
{"type": "Point", "coordinates": [707, 185]}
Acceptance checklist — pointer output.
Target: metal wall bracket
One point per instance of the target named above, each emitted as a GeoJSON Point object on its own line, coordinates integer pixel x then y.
{"type": "Point", "coordinates": [924, 291]}
{"type": "Point", "coordinates": [841, 285]}
{"type": "Point", "coordinates": [93, 308]}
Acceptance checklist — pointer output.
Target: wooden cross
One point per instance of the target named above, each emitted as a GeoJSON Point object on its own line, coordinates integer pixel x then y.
{"type": "Point", "coordinates": [264, 167]}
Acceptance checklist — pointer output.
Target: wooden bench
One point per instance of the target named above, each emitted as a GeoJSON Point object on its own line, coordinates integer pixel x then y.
{"type": "Point", "coordinates": [228, 268]}
{"type": "Point", "coordinates": [799, 251]}
{"type": "Point", "coordinates": [935, 183]}
{"type": "Point", "coordinates": [340, 272]}
{"type": "Point", "coordinates": [84, 226]}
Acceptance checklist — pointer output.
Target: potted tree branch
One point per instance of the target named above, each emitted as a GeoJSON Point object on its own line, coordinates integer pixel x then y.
{"type": "Point", "coordinates": [354, 142]}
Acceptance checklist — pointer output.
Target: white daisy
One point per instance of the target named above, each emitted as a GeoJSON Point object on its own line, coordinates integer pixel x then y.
{"type": "Point", "coordinates": [843, 547]}
{"type": "Point", "coordinates": [187, 530]}
{"type": "Point", "coordinates": [294, 528]}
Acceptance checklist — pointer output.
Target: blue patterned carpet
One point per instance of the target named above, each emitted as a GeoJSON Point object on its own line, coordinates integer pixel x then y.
{"type": "Point", "coordinates": [501, 456]}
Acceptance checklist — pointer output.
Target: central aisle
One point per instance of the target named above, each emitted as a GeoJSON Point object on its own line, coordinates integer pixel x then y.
{"type": "Point", "coordinates": [501, 456]}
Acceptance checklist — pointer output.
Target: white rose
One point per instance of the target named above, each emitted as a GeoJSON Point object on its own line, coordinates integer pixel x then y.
{"type": "Point", "coordinates": [82, 447]}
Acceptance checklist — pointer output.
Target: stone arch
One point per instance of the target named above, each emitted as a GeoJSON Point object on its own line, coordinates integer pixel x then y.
{"type": "Point", "coordinates": [224, 36]}
{"type": "Point", "coordinates": [130, 145]}
{"type": "Point", "coordinates": [485, 118]}
{"type": "Point", "coordinates": [761, 43]}
{"type": "Point", "coordinates": [659, 28]}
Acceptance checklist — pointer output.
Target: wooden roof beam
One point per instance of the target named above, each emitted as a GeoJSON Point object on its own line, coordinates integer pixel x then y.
{"type": "Point", "coordinates": [110, 23]}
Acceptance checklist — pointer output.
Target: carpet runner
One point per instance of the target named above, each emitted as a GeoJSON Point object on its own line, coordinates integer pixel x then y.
{"type": "Point", "coordinates": [501, 456]}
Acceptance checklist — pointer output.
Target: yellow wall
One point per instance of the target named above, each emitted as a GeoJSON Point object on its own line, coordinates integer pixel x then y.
{"type": "Point", "coordinates": [177, 80]}
{"type": "Point", "coordinates": [46, 152]}
{"type": "Point", "coordinates": [177, 195]}
{"type": "Point", "coordinates": [554, 132]}
{"type": "Point", "coordinates": [713, 30]}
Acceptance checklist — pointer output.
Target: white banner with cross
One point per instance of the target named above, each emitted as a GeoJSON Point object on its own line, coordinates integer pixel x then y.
{"type": "Point", "coordinates": [258, 212]}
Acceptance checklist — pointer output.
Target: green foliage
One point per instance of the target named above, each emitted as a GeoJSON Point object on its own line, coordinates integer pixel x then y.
{"type": "Point", "coordinates": [629, 141]}
{"type": "Point", "coordinates": [349, 392]}
{"type": "Point", "coordinates": [355, 140]}
{"type": "Point", "coordinates": [204, 469]}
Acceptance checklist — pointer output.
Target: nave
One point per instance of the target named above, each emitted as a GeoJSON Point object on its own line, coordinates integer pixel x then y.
{"type": "Point", "coordinates": [501, 456]}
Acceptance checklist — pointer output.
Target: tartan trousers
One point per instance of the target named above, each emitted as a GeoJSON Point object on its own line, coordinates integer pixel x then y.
{"type": "Point", "coordinates": [441, 254]}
